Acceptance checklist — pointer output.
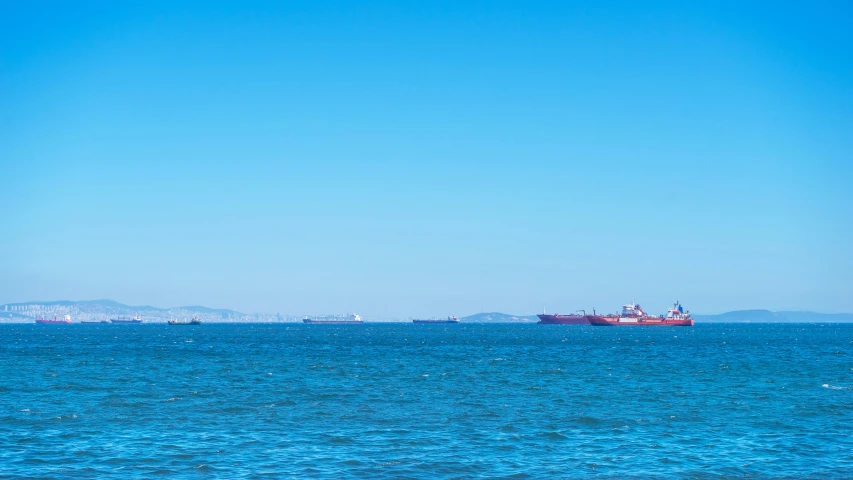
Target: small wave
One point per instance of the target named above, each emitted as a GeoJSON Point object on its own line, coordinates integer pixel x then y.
{"type": "Point", "coordinates": [338, 440]}
{"type": "Point", "coordinates": [588, 420]}
{"type": "Point", "coordinates": [554, 436]}
{"type": "Point", "coordinates": [834, 387]}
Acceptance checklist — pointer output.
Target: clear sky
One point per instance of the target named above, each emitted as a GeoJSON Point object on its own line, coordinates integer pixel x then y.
{"type": "Point", "coordinates": [428, 158]}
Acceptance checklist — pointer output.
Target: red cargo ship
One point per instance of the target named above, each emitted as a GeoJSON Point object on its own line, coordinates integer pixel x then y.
{"type": "Point", "coordinates": [634, 316]}
{"type": "Point", "coordinates": [577, 318]}
{"type": "Point", "coordinates": [65, 321]}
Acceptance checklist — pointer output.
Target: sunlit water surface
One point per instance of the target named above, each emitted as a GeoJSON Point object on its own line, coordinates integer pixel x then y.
{"type": "Point", "coordinates": [427, 401]}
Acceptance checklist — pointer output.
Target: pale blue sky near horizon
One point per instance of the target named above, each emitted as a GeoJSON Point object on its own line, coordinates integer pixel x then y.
{"type": "Point", "coordinates": [428, 158]}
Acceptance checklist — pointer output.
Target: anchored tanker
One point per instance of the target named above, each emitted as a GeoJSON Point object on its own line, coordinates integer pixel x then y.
{"type": "Point", "coordinates": [577, 318]}
{"type": "Point", "coordinates": [65, 321]}
{"type": "Point", "coordinates": [342, 320]}
{"type": "Point", "coordinates": [194, 321]}
{"type": "Point", "coordinates": [633, 316]}
{"type": "Point", "coordinates": [127, 321]}
{"type": "Point", "coordinates": [436, 320]}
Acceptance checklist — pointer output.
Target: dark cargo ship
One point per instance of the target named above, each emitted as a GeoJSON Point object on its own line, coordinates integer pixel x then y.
{"type": "Point", "coordinates": [194, 321]}
{"type": "Point", "coordinates": [450, 319]}
{"type": "Point", "coordinates": [126, 321]}
{"type": "Point", "coordinates": [577, 318]}
{"type": "Point", "coordinates": [335, 320]}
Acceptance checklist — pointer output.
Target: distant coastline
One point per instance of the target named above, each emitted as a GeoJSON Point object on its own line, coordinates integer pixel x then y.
{"type": "Point", "coordinates": [98, 310]}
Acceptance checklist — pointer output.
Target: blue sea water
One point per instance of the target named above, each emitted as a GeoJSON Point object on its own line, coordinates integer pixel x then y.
{"type": "Point", "coordinates": [426, 401]}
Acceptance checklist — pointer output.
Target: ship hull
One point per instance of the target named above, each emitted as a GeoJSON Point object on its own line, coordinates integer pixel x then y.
{"type": "Point", "coordinates": [602, 321]}
{"type": "Point", "coordinates": [562, 319]}
{"type": "Point", "coordinates": [126, 322]}
{"type": "Point", "coordinates": [53, 322]}
{"type": "Point", "coordinates": [429, 322]}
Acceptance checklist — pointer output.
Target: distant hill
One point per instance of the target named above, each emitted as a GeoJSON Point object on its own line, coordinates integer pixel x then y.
{"type": "Point", "coordinates": [496, 317]}
{"type": "Point", "coordinates": [87, 303]}
{"type": "Point", "coordinates": [88, 310]}
{"type": "Point", "coordinates": [218, 311]}
{"type": "Point", "coordinates": [766, 316]}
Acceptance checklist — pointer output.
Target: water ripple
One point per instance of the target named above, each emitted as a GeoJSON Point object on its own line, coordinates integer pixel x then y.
{"type": "Point", "coordinates": [391, 401]}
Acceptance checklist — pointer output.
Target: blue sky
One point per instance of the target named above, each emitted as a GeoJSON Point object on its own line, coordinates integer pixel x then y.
{"type": "Point", "coordinates": [428, 158]}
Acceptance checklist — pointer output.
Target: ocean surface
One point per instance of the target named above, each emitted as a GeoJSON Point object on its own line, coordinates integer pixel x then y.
{"type": "Point", "coordinates": [426, 401]}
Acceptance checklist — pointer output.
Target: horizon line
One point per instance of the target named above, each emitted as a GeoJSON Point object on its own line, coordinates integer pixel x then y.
{"type": "Point", "coordinates": [483, 312]}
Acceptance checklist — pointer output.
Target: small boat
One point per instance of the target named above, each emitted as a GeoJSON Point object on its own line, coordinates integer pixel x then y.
{"type": "Point", "coordinates": [450, 319]}
{"type": "Point", "coordinates": [55, 321]}
{"type": "Point", "coordinates": [194, 321]}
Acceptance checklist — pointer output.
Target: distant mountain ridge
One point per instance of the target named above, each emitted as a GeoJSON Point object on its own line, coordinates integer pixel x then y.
{"type": "Point", "coordinates": [113, 304]}
{"type": "Point", "coordinates": [101, 303]}
{"type": "Point", "coordinates": [497, 317]}
{"type": "Point", "coordinates": [220, 311]}
{"type": "Point", "coordinates": [104, 309]}
{"type": "Point", "coordinates": [766, 316]}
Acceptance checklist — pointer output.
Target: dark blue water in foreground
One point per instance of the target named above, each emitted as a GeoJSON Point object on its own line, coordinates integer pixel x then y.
{"type": "Point", "coordinates": [426, 401]}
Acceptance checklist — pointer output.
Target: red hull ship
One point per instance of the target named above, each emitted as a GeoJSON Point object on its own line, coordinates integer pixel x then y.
{"type": "Point", "coordinates": [634, 316]}
{"type": "Point", "coordinates": [578, 318]}
{"type": "Point", "coordinates": [65, 321]}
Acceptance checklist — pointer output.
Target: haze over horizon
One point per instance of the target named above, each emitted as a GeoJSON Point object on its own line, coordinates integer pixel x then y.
{"type": "Point", "coordinates": [390, 317]}
{"type": "Point", "coordinates": [428, 159]}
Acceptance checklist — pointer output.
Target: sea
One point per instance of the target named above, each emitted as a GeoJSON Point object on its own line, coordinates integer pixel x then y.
{"type": "Point", "coordinates": [426, 401]}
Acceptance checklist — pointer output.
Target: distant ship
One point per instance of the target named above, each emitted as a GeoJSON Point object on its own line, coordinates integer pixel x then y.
{"type": "Point", "coordinates": [95, 321]}
{"type": "Point", "coordinates": [577, 318]}
{"type": "Point", "coordinates": [194, 321]}
{"type": "Point", "coordinates": [633, 316]}
{"type": "Point", "coordinates": [342, 320]}
{"type": "Point", "coordinates": [65, 321]}
{"type": "Point", "coordinates": [126, 321]}
{"type": "Point", "coordinates": [450, 319]}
